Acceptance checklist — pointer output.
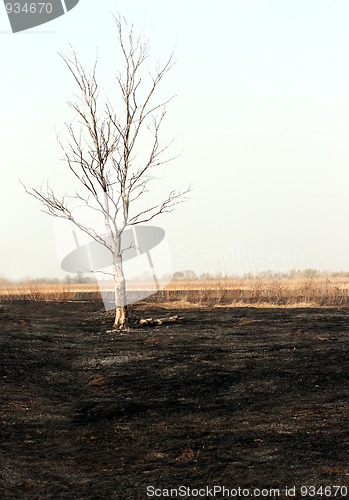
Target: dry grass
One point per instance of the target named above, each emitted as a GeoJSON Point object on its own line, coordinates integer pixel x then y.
{"type": "Point", "coordinates": [34, 290]}
{"type": "Point", "coordinates": [311, 292]}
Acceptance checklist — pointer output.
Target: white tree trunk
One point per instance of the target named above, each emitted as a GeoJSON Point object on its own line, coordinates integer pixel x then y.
{"type": "Point", "coordinates": [120, 294]}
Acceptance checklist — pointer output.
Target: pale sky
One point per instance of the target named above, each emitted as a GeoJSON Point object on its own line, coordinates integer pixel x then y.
{"type": "Point", "coordinates": [261, 118]}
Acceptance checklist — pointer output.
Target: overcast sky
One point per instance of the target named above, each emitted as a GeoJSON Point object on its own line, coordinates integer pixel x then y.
{"type": "Point", "coordinates": [261, 118]}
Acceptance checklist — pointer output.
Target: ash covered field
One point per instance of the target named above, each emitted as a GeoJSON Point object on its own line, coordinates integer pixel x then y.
{"type": "Point", "coordinates": [241, 397]}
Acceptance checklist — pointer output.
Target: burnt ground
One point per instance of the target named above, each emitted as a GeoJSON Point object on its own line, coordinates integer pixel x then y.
{"type": "Point", "coordinates": [236, 397]}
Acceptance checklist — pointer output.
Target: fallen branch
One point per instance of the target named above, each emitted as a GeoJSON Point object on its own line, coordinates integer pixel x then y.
{"type": "Point", "coordinates": [158, 321]}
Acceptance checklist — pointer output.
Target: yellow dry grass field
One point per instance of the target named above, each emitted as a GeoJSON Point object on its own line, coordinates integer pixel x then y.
{"type": "Point", "coordinates": [258, 292]}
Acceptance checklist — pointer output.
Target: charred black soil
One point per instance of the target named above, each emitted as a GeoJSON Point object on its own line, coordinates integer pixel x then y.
{"type": "Point", "coordinates": [236, 397]}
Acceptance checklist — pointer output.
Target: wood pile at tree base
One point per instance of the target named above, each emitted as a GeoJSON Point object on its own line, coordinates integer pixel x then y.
{"type": "Point", "coordinates": [158, 321]}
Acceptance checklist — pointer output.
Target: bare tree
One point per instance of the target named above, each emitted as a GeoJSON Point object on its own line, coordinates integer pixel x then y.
{"type": "Point", "coordinates": [103, 152]}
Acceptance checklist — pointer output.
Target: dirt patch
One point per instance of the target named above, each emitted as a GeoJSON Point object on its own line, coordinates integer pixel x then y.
{"type": "Point", "coordinates": [246, 397]}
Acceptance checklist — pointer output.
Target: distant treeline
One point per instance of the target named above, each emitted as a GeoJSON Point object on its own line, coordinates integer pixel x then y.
{"type": "Point", "coordinates": [68, 279]}
{"type": "Point", "coordinates": [190, 275]}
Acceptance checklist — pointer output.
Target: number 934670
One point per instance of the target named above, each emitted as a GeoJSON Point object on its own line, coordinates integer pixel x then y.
{"type": "Point", "coordinates": [29, 8]}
